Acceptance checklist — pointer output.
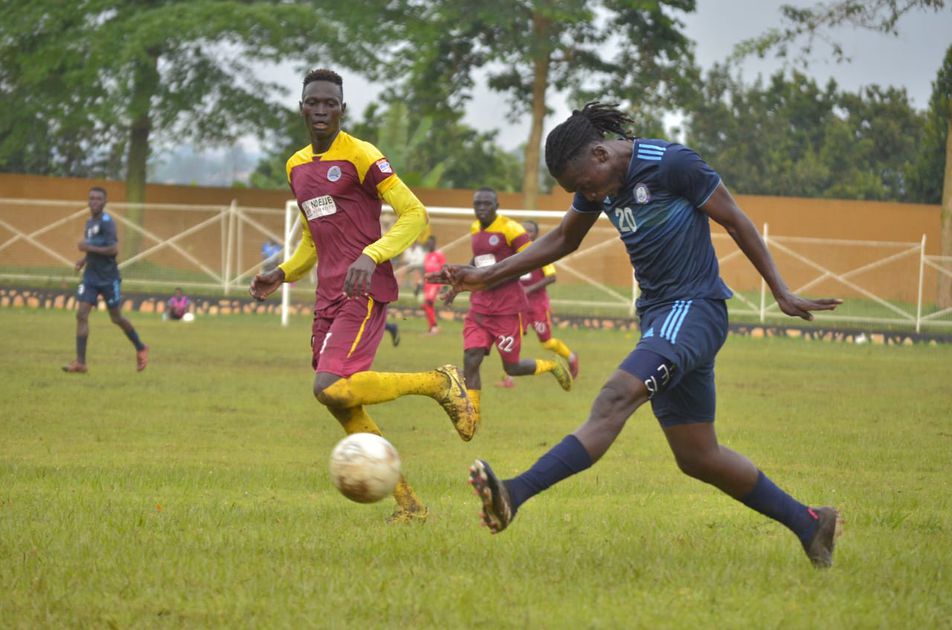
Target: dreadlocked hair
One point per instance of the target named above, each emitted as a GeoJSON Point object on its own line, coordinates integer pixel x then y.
{"type": "Point", "coordinates": [323, 74]}
{"type": "Point", "coordinates": [581, 129]}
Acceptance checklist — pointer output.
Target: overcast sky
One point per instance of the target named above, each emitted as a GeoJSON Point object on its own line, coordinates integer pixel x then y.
{"type": "Point", "coordinates": [910, 60]}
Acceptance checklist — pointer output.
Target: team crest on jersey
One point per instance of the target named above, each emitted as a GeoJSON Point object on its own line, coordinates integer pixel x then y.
{"type": "Point", "coordinates": [494, 240]}
{"type": "Point", "coordinates": [642, 196]}
{"type": "Point", "coordinates": [319, 207]}
{"type": "Point", "coordinates": [384, 165]}
{"type": "Point", "coordinates": [333, 173]}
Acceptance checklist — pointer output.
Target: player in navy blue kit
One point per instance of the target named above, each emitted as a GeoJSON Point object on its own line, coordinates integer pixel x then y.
{"type": "Point", "coordinates": [660, 196]}
{"type": "Point", "coordinates": [100, 277]}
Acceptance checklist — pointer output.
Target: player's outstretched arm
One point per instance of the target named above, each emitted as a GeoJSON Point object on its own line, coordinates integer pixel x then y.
{"type": "Point", "coordinates": [722, 208]}
{"type": "Point", "coordinates": [556, 244]}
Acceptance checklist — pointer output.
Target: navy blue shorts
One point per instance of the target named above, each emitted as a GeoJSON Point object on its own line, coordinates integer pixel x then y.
{"type": "Point", "coordinates": [675, 359]}
{"type": "Point", "coordinates": [89, 292]}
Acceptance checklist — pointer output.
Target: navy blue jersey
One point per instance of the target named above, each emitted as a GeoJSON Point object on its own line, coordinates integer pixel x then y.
{"type": "Point", "coordinates": [100, 269]}
{"type": "Point", "coordinates": [656, 214]}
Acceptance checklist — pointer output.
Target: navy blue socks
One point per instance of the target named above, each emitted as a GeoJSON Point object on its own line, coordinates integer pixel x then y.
{"type": "Point", "coordinates": [134, 338]}
{"type": "Point", "coordinates": [564, 460]}
{"type": "Point", "coordinates": [81, 349]}
{"type": "Point", "coordinates": [773, 502]}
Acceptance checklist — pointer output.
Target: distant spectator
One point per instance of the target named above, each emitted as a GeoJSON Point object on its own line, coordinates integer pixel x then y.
{"type": "Point", "coordinates": [270, 254]}
{"type": "Point", "coordinates": [178, 305]}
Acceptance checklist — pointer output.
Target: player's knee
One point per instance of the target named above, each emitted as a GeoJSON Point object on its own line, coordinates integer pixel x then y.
{"type": "Point", "coordinates": [614, 404]}
{"type": "Point", "coordinates": [82, 317]}
{"type": "Point", "coordinates": [699, 465]}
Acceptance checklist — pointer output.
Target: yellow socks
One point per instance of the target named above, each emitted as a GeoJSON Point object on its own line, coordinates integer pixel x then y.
{"type": "Point", "coordinates": [355, 420]}
{"type": "Point", "coordinates": [369, 388]}
{"type": "Point", "coordinates": [556, 346]}
{"type": "Point", "coordinates": [544, 365]}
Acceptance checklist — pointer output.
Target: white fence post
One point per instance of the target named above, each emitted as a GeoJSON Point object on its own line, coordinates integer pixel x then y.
{"type": "Point", "coordinates": [285, 287]}
{"type": "Point", "coordinates": [922, 267]}
{"type": "Point", "coordinates": [763, 286]}
{"type": "Point", "coordinates": [229, 244]}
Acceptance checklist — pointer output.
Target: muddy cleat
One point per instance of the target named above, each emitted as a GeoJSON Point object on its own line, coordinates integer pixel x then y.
{"type": "Point", "coordinates": [402, 516]}
{"type": "Point", "coordinates": [820, 548]}
{"type": "Point", "coordinates": [456, 403]}
{"type": "Point", "coordinates": [573, 365]}
{"type": "Point", "coordinates": [75, 367]}
{"type": "Point", "coordinates": [562, 375]}
{"type": "Point", "coordinates": [142, 358]}
{"type": "Point", "coordinates": [497, 509]}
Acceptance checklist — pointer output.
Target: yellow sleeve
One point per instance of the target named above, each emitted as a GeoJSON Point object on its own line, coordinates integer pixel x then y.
{"type": "Point", "coordinates": [548, 270]}
{"type": "Point", "coordinates": [411, 220]}
{"type": "Point", "coordinates": [302, 260]}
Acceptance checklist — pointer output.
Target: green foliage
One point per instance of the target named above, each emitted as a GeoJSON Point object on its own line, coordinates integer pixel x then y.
{"type": "Point", "coordinates": [928, 170]}
{"type": "Point", "coordinates": [630, 51]}
{"type": "Point", "coordinates": [196, 494]}
{"type": "Point", "coordinates": [433, 150]}
{"type": "Point", "coordinates": [105, 75]}
{"type": "Point", "coordinates": [795, 138]}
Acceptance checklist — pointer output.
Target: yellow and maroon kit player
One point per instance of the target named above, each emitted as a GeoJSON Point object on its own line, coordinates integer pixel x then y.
{"type": "Point", "coordinates": [339, 183]}
{"type": "Point", "coordinates": [432, 263]}
{"type": "Point", "coordinates": [539, 314]}
{"type": "Point", "coordinates": [495, 314]}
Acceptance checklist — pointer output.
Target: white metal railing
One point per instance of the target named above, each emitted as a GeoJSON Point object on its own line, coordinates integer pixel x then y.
{"type": "Point", "coordinates": [218, 248]}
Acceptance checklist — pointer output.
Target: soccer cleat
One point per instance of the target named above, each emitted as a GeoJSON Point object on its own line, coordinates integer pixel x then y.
{"type": "Point", "coordinates": [497, 508]}
{"type": "Point", "coordinates": [75, 367]}
{"type": "Point", "coordinates": [456, 403]}
{"type": "Point", "coordinates": [573, 365]}
{"type": "Point", "coordinates": [506, 382]}
{"type": "Point", "coordinates": [403, 516]}
{"type": "Point", "coordinates": [820, 547]}
{"type": "Point", "coordinates": [562, 375]}
{"type": "Point", "coordinates": [142, 358]}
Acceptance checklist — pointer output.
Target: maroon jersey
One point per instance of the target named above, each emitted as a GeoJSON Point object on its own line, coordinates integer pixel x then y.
{"type": "Point", "coordinates": [538, 299]}
{"type": "Point", "coordinates": [339, 195]}
{"type": "Point", "coordinates": [503, 238]}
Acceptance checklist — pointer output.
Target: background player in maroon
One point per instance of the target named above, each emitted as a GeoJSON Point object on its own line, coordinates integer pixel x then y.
{"type": "Point", "coordinates": [495, 313]}
{"type": "Point", "coordinates": [539, 315]}
{"type": "Point", "coordinates": [339, 182]}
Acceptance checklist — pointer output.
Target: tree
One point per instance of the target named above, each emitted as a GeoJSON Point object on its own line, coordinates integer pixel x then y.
{"type": "Point", "coordinates": [807, 25]}
{"type": "Point", "coordinates": [629, 50]}
{"type": "Point", "coordinates": [108, 75]}
{"type": "Point", "coordinates": [424, 153]}
{"type": "Point", "coordinates": [793, 137]}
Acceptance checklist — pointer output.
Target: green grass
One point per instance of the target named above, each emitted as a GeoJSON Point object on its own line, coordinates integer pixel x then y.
{"type": "Point", "coordinates": [196, 493]}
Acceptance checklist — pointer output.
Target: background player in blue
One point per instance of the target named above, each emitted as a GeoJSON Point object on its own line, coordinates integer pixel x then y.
{"type": "Point", "coordinates": [660, 196]}
{"type": "Point", "coordinates": [100, 277]}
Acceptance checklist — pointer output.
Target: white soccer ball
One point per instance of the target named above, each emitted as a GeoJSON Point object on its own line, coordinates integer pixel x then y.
{"type": "Point", "coordinates": [188, 317]}
{"type": "Point", "coordinates": [365, 467]}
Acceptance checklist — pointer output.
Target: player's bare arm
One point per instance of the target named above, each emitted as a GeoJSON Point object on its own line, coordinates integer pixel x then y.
{"type": "Point", "coordinates": [724, 210]}
{"type": "Point", "coordinates": [556, 244]}
{"type": "Point", "coordinates": [264, 284]}
{"type": "Point", "coordinates": [544, 282]}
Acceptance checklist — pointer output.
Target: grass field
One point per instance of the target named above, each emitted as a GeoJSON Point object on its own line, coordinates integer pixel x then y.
{"type": "Point", "coordinates": [196, 493]}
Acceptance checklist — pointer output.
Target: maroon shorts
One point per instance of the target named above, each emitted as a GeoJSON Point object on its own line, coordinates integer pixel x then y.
{"type": "Point", "coordinates": [485, 331]}
{"type": "Point", "coordinates": [345, 336]}
{"type": "Point", "coordinates": [540, 320]}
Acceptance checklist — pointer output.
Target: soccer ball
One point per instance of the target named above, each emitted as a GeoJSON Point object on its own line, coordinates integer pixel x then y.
{"type": "Point", "coordinates": [188, 317]}
{"type": "Point", "coordinates": [365, 467]}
